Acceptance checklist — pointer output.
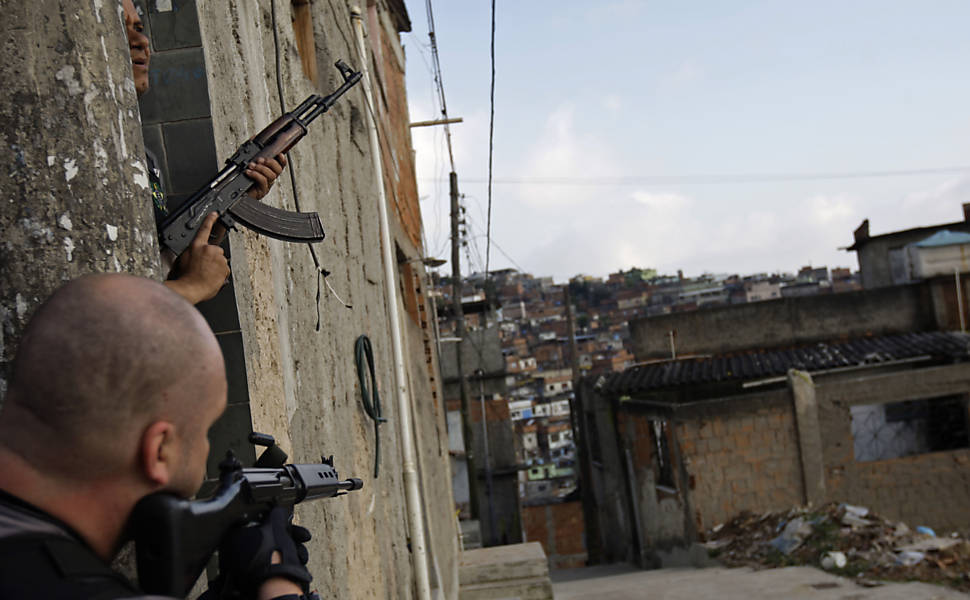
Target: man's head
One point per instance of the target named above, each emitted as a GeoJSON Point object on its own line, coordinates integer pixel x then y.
{"type": "Point", "coordinates": [138, 45]}
{"type": "Point", "coordinates": [117, 378]}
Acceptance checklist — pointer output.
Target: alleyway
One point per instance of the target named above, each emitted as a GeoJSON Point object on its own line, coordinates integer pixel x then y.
{"type": "Point", "coordinates": [626, 583]}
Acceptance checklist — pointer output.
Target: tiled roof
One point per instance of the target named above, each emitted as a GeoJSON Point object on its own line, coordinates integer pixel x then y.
{"type": "Point", "coordinates": [759, 364]}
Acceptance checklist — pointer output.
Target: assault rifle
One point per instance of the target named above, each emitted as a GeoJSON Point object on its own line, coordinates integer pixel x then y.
{"type": "Point", "coordinates": [226, 192]}
{"type": "Point", "coordinates": [175, 537]}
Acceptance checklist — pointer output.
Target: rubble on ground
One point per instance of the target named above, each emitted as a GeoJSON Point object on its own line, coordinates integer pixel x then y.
{"type": "Point", "coordinates": [845, 540]}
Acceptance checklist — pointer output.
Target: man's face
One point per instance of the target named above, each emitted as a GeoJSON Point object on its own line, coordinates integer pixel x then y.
{"type": "Point", "coordinates": [194, 442]}
{"type": "Point", "coordinates": [138, 46]}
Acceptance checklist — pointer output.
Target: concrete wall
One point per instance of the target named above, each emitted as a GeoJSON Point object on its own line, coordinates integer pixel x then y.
{"type": "Point", "coordinates": [875, 268]}
{"type": "Point", "coordinates": [786, 321]}
{"type": "Point", "coordinates": [561, 531]}
{"type": "Point", "coordinates": [928, 489]}
{"type": "Point", "coordinates": [74, 174]}
{"type": "Point", "coordinates": [302, 383]}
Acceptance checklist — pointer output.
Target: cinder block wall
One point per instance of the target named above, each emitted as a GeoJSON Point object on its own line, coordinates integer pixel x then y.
{"type": "Point", "coordinates": [928, 489]}
{"type": "Point", "coordinates": [743, 461]}
{"type": "Point", "coordinates": [561, 531]}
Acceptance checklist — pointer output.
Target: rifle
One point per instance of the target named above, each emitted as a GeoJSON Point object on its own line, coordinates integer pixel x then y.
{"type": "Point", "coordinates": [226, 192]}
{"type": "Point", "coordinates": [175, 537]}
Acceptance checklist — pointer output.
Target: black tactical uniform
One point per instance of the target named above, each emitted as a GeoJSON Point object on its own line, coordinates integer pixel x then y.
{"type": "Point", "coordinates": [42, 557]}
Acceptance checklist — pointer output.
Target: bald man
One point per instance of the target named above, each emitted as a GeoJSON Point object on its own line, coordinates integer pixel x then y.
{"type": "Point", "coordinates": [103, 408]}
{"type": "Point", "coordinates": [202, 269]}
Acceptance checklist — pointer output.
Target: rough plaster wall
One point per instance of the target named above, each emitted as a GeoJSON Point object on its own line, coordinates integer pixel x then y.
{"type": "Point", "coordinates": [303, 385]}
{"type": "Point", "coordinates": [75, 184]}
{"type": "Point", "coordinates": [786, 321]}
{"type": "Point", "coordinates": [897, 488]}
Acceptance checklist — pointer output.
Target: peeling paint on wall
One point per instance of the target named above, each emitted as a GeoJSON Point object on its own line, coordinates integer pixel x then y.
{"type": "Point", "coordinates": [37, 232]}
{"type": "Point", "coordinates": [21, 307]}
{"type": "Point", "coordinates": [66, 75]}
{"type": "Point", "coordinates": [65, 222]}
{"type": "Point", "coordinates": [70, 169]}
{"type": "Point", "coordinates": [69, 247]}
{"type": "Point", "coordinates": [112, 232]}
{"type": "Point", "coordinates": [141, 177]}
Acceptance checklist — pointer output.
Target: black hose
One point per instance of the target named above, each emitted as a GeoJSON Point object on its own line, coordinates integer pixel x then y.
{"type": "Point", "coordinates": [369, 396]}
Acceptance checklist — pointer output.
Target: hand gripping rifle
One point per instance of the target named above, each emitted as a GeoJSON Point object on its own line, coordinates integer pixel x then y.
{"type": "Point", "coordinates": [226, 192]}
{"type": "Point", "coordinates": [175, 537]}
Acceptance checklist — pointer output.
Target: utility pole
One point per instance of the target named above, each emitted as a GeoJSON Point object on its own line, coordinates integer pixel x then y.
{"type": "Point", "coordinates": [466, 426]}
{"type": "Point", "coordinates": [577, 419]}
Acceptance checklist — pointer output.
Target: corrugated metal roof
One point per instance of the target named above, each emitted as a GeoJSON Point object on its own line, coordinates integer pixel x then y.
{"type": "Point", "coordinates": [944, 238]}
{"type": "Point", "coordinates": [760, 364]}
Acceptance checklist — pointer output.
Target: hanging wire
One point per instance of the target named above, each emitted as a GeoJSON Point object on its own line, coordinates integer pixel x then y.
{"type": "Point", "coordinates": [436, 63]}
{"type": "Point", "coordinates": [321, 272]}
{"type": "Point", "coordinates": [491, 146]}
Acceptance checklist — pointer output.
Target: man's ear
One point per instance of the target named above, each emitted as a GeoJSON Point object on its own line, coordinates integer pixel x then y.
{"type": "Point", "coordinates": [158, 453]}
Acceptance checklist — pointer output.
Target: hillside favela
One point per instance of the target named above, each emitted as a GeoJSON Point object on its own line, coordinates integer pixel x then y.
{"type": "Point", "coordinates": [424, 300]}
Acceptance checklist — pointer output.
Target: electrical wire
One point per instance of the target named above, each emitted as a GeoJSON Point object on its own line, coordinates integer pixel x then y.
{"type": "Point", "coordinates": [436, 63]}
{"type": "Point", "coordinates": [321, 272]}
{"type": "Point", "coordinates": [363, 353]}
{"type": "Point", "coordinates": [706, 179]}
{"type": "Point", "coordinates": [491, 146]}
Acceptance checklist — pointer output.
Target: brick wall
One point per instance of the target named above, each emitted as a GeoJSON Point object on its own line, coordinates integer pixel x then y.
{"type": "Point", "coordinates": [744, 461]}
{"type": "Point", "coordinates": [560, 530]}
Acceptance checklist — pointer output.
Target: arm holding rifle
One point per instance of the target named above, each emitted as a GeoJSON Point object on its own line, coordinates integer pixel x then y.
{"type": "Point", "coordinates": [201, 271]}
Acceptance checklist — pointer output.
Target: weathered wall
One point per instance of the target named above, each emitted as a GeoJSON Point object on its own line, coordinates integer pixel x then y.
{"type": "Point", "coordinates": [786, 321]}
{"type": "Point", "coordinates": [744, 460]}
{"type": "Point", "coordinates": [560, 529]}
{"type": "Point", "coordinates": [302, 382]}
{"type": "Point", "coordinates": [873, 254]}
{"type": "Point", "coordinates": [72, 157]}
{"type": "Point", "coordinates": [927, 489]}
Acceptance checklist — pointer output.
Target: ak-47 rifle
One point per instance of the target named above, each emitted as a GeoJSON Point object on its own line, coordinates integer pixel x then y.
{"type": "Point", "coordinates": [175, 537]}
{"type": "Point", "coordinates": [226, 192]}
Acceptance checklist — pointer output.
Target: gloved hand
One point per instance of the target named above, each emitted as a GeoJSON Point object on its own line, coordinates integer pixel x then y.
{"type": "Point", "coordinates": [245, 556]}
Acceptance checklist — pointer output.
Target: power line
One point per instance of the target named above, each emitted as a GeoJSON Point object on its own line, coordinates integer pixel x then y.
{"type": "Point", "coordinates": [491, 146]}
{"type": "Point", "coordinates": [436, 63]}
{"type": "Point", "coordinates": [706, 179]}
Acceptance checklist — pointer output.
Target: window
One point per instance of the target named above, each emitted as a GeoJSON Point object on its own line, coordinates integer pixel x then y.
{"type": "Point", "coordinates": [894, 430]}
{"type": "Point", "coordinates": [665, 470]}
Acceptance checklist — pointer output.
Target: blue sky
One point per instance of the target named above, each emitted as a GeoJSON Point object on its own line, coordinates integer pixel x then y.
{"type": "Point", "coordinates": [591, 92]}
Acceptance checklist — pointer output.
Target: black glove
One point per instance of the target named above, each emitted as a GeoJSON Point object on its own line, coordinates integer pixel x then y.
{"type": "Point", "coordinates": [245, 555]}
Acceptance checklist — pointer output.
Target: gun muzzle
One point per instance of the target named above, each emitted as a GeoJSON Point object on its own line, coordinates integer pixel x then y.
{"type": "Point", "coordinates": [351, 484]}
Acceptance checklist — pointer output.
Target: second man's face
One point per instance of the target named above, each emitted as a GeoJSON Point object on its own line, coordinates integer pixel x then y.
{"type": "Point", "coordinates": [138, 46]}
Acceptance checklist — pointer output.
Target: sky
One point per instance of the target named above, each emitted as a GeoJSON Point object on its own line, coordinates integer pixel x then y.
{"type": "Point", "coordinates": [616, 120]}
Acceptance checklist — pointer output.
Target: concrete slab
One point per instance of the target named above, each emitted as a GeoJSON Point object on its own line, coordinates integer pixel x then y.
{"type": "Point", "coordinates": [625, 583]}
{"type": "Point", "coordinates": [516, 571]}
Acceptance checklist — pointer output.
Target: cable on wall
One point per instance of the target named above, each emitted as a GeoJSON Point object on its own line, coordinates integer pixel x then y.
{"type": "Point", "coordinates": [322, 273]}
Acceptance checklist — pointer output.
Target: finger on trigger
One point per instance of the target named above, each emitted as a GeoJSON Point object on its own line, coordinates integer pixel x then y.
{"type": "Point", "coordinates": [206, 228]}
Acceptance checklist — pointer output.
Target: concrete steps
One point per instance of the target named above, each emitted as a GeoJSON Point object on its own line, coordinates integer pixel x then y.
{"type": "Point", "coordinates": [513, 572]}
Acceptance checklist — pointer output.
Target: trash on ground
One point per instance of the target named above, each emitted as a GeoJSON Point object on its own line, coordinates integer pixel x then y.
{"type": "Point", "coordinates": [834, 560]}
{"type": "Point", "coordinates": [846, 540]}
